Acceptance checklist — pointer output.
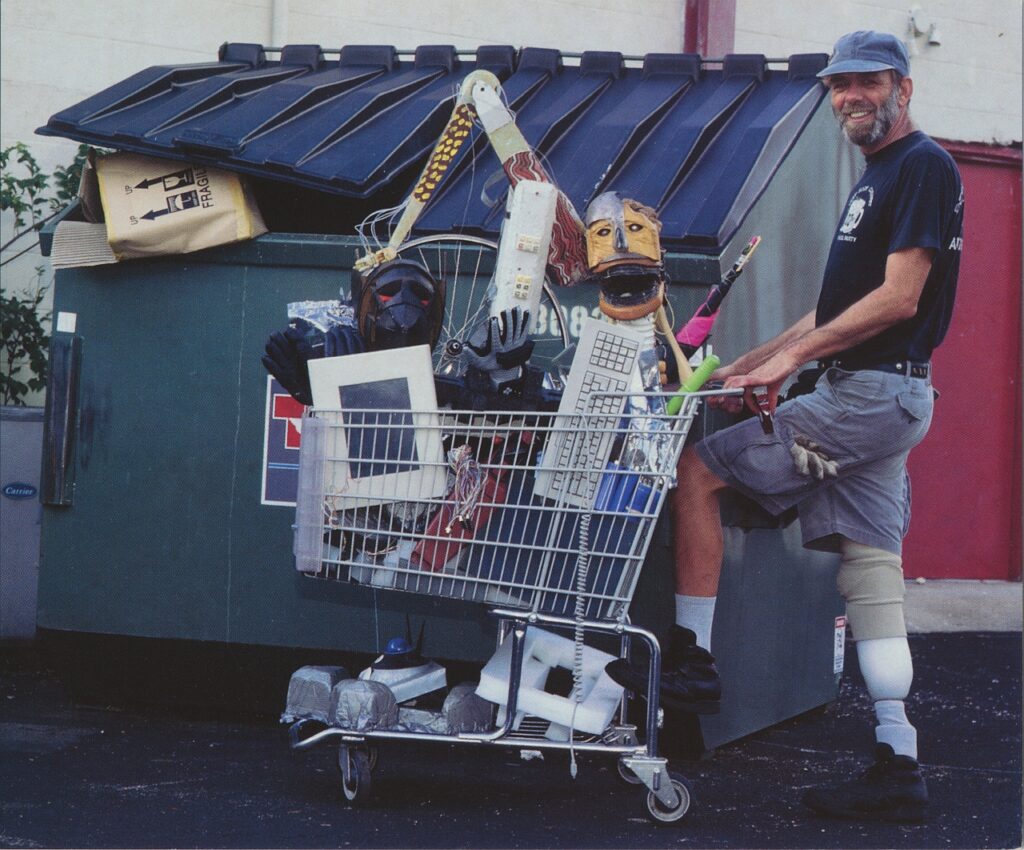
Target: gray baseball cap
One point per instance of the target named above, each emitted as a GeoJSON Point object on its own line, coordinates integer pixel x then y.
{"type": "Point", "coordinates": [865, 50]}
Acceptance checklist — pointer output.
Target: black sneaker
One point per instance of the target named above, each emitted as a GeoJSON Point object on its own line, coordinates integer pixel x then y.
{"type": "Point", "coordinates": [689, 678]}
{"type": "Point", "coordinates": [892, 789]}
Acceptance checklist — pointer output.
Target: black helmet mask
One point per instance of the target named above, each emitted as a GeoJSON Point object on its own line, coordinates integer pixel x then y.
{"type": "Point", "coordinates": [398, 304]}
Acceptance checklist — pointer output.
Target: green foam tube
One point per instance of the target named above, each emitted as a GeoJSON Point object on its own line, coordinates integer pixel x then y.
{"type": "Point", "coordinates": [693, 383]}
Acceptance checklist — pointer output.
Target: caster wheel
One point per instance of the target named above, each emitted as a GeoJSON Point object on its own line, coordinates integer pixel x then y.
{"type": "Point", "coordinates": [356, 776]}
{"type": "Point", "coordinates": [627, 775]}
{"type": "Point", "coordinates": [661, 813]}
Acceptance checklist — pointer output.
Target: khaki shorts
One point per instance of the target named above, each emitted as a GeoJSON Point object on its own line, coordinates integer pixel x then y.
{"type": "Point", "coordinates": [867, 421]}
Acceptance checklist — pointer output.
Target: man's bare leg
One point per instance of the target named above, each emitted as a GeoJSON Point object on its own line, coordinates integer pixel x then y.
{"type": "Point", "coordinates": [689, 678]}
{"type": "Point", "coordinates": [697, 528]}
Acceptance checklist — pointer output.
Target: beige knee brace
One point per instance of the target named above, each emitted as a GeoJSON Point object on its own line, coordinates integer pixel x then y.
{"type": "Point", "coordinates": [871, 581]}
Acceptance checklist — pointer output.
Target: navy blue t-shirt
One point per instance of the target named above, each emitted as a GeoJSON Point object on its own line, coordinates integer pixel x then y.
{"type": "Point", "coordinates": [909, 197]}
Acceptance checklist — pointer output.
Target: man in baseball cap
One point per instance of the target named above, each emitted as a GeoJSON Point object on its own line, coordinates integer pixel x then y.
{"type": "Point", "coordinates": [838, 452]}
{"type": "Point", "coordinates": [878, 62]}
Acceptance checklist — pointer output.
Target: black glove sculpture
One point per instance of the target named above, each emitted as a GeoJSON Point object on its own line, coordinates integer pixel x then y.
{"type": "Point", "coordinates": [666, 362]}
{"type": "Point", "coordinates": [290, 350]}
{"type": "Point", "coordinates": [341, 340]}
{"type": "Point", "coordinates": [500, 346]}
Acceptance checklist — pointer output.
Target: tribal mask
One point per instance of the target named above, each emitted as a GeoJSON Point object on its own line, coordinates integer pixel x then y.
{"type": "Point", "coordinates": [624, 256]}
{"type": "Point", "coordinates": [398, 304]}
{"type": "Point", "coordinates": [620, 231]}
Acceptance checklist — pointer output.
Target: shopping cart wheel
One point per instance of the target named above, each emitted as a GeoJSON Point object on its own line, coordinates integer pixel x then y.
{"type": "Point", "coordinates": [356, 774]}
{"type": "Point", "coordinates": [661, 813]}
{"type": "Point", "coordinates": [466, 264]}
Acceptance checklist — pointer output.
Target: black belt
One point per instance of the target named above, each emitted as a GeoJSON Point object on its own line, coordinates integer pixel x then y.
{"type": "Point", "coordinates": [902, 367]}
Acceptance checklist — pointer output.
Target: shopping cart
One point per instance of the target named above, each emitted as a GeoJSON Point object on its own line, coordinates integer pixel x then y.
{"type": "Point", "coordinates": [545, 518]}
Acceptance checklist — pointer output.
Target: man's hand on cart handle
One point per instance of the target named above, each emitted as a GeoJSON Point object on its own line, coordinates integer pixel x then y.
{"type": "Point", "coordinates": [735, 402]}
{"type": "Point", "coordinates": [771, 374]}
{"type": "Point", "coordinates": [761, 404]}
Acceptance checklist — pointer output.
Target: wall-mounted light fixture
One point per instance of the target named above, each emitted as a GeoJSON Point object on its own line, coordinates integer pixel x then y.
{"type": "Point", "coordinates": [920, 23]}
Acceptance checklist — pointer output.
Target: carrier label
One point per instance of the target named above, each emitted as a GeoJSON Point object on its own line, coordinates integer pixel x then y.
{"type": "Point", "coordinates": [19, 490]}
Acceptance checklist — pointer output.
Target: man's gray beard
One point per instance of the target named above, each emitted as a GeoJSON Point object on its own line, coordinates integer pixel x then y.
{"type": "Point", "coordinates": [885, 117]}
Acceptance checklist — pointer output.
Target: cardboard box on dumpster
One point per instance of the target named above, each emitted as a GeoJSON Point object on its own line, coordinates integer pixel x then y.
{"type": "Point", "coordinates": [143, 206]}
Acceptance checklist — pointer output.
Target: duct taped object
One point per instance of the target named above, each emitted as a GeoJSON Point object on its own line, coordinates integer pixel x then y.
{"type": "Point", "coordinates": [421, 721]}
{"type": "Point", "coordinates": [362, 706]}
{"type": "Point", "coordinates": [465, 711]}
{"type": "Point", "coordinates": [309, 693]}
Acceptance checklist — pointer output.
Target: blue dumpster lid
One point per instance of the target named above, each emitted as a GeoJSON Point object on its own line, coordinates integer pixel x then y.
{"type": "Point", "coordinates": [698, 140]}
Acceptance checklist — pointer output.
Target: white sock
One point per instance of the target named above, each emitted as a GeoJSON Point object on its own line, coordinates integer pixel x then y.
{"type": "Point", "coordinates": [894, 729]}
{"type": "Point", "coordinates": [696, 613]}
{"type": "Point", "coordinates": [888, 672]}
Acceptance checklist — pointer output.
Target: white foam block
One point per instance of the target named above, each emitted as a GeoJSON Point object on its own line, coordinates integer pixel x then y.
{"type": "Point", "coordinates": [541, 651]}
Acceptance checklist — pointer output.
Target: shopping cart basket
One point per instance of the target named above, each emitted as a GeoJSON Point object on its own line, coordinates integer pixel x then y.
{"type": "Point", "coordinates": [546, 518]}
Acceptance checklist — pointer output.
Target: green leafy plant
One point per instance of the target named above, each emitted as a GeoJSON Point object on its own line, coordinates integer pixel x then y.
{"type": "Point", "coordinates": [25, 189]}
{"type": "Point", "coordinates": [22, 188]}
{"type": "Point", "coordinates": [23, 342]}
{"type": "Point", "coordinates": [33, 197]}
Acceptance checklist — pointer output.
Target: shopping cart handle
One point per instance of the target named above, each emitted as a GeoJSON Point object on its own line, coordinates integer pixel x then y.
{"type": "Point", "coordinates": [693, 383]}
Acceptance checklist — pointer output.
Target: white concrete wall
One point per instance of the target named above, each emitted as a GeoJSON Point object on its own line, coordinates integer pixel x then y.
{"type": "Point", "coordinates": [968, 88]}
{"type": "Point", "coordinates": [641, 26]}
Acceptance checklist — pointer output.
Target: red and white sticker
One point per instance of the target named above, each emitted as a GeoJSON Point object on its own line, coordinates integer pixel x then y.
{"type": "Point", "coordinates": [282, 434]}
{"type": "Point", "coordinates": [839, 647]}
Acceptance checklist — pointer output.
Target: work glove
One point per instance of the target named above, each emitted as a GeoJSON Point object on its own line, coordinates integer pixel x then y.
{"type": "Point", "coordinates": [811, 461]}
{"type": "Point", "coordinates": [341, 340]}
{"type": "Point", "coordinates": [500, 346]}
{"type": "Point", "coordinates": [288, 351]}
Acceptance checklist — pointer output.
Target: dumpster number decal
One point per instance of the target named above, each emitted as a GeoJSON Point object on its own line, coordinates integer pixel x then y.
{"type": "Point", "coordinates": [282, 433]}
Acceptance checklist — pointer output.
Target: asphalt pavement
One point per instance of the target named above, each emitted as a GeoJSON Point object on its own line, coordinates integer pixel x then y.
{"type": "Point", "coordinates": [114, 776]}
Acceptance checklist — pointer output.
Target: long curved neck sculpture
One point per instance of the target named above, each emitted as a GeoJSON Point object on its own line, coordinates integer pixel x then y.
{"type": "Point", "coordinates": [480, 98]}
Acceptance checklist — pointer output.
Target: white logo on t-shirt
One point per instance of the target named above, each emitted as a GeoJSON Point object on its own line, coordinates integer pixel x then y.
{"type": "Point", "coordinates": [861, 200]}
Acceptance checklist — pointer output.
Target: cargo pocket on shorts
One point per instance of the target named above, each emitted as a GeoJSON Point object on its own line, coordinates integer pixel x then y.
{"type": "Point", "coordinates": [765, 466]}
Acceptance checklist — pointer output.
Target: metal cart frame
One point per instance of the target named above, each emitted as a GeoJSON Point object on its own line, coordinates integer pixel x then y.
{"type": "Point", "coordinates": [334, 518]}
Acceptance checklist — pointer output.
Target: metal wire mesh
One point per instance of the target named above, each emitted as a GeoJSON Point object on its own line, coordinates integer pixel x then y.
{"type": "Point", "coordinates": [444, 503]}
